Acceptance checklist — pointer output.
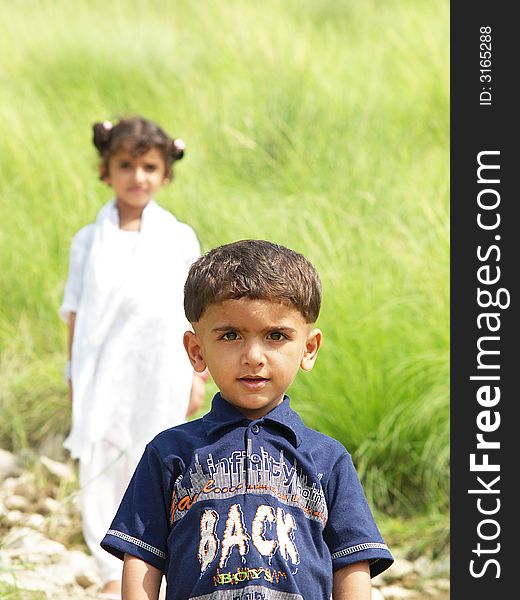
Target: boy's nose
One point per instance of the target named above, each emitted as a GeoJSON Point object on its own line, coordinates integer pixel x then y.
{"type": "Point", "coordinates": [254, 354]}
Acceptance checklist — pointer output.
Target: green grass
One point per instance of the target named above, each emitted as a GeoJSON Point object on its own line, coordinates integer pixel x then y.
{"type": "Point", "coordinates": [319, 125]}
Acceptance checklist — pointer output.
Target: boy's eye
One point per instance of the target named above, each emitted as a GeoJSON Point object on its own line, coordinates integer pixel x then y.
{"type": "Point", "coordinates": [230, 335]}
{"type": "Point", "coordinates": [124, 165]}
{"type": "Point", "coordinates": [277, 336]}
{"type": "Point", "coordinates": [151, 167]}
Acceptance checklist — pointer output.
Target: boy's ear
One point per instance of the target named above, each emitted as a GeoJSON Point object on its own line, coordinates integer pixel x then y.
{"type": "Point", "coordinates": [194, 351]}
{"type": "Point", "coordinates": [312, 345]}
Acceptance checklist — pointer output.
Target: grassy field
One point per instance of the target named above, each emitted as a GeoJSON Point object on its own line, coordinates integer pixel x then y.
{"type": "Point", "coordinates": [321, 125]}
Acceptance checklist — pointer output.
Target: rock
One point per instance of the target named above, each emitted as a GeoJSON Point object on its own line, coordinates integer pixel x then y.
{"type": "Point", "coordinates": [58, 573]}
{"type": "Point", "coordinates": [423, 566]}
{"type": "Point", "coordinates": [87, 579]}
{"type": "Point", "coordinates": [52, 447]}
{"type": "Point", "coordinates": [47, 506]}
{"type": "Point", "coordinates": [7, 485]}
{"type": "Point", "coordinates": [429, 569]}
{"type": "Point", "coordinates": [83, 568]}
{"type": "Point", "coordinates": [24, 486]}
{"type": "Point", "coordinates": [394, 592]}
{"type": "Point", "coordinates": [60, 522]}
{"type": "Point", "coordinates": [5, 562]}
{"type": "Point", "coordinates": [377, 594]}
{"type": "Point", "coordinates": [14, 518]}
{"type": "Point", "coordinates": [35, 581]}
{"type": "Point", "coordinates": [8, 578]}
{"type": "Point", "coordinates": [442, 584]}
{"type": "Point", "coordinates": [59, 470]}
{"type": "Point", "coordinates": [16, 502]}
{"type": "Point", "coordinates": [9, 465]}
{"type": "Point", "coordinates": [441, 567]}
{"type": "Point", "coordinates": [378, 581]}
{"type": "Point", "coordinates": [35, 521]}
{"type": "Point", "coordinates": [430, 591]}
{"type": "Point", "coordinates": [400, 569]}
{"type": "Point", "coordinates": [31, 546]}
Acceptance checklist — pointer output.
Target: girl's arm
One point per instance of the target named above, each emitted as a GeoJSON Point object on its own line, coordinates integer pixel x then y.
{"type": "Point", "coordinates": [72, 323]}
{"type": "Point", "coordinates": [141, 581]}
{"type": "Point", "coordinates": [352, 582]}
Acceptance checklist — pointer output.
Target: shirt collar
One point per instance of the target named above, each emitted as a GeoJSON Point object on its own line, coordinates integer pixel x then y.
{"type": "Point", "coordinates": [223, 416]}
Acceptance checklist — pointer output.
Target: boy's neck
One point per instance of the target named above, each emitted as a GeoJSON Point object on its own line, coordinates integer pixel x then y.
{"type": "Point", "coordinates": [252, 415]}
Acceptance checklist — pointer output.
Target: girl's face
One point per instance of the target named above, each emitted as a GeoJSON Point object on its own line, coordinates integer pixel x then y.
{"type": "Point", "coordinates": [136, 179]}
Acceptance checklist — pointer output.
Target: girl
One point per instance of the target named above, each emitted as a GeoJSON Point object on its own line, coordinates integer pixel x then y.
{"type": "Point", "coordinates": [129, 377]}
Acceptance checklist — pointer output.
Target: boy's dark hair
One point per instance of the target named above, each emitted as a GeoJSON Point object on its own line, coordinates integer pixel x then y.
{"type": "Point", "coordinates": [254, 269]}
{"type": "Point", "coordinates": [137, 135]}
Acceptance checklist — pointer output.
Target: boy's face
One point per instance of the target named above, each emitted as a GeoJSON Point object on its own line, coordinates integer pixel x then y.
{"type": "Point", "coordinates": [136, 179]}
{"type": "Point", "coordinates": [253, 350]}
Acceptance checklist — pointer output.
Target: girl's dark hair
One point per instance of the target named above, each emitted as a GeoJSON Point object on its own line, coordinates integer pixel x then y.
{"type": "Point", "coordinates": [254, 269]}
{"type": "Point", "coordinates": [137, 135]}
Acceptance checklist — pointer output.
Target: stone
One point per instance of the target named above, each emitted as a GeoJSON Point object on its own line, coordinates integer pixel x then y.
{"type": "Point", "coordinates": [87, 579]}
{"type": "Point", "coordinates": [400, 569]}
{"type": "Point", "coordinates": [52, 447]}
{"type": "Point", "coordinates": [61, 522]}
{"type": "Point", "coordinates": [16, 502]}
{"type": "Point", "coordinates": [441, 567]}
{"type": "Point", "coordinates": [83, 568]}
{"type": "Point", "coordinates": [59, 573]}
{"type": "Point", "coordinates": [59, 470]}
{"type": "Point", "coordinates": [24, 486]}
{"type": "Point", "coordinates": [8, 578]}
{"type": "Point", "coordinates": [9, 465]}
{"type": "Point", "coordinates": [430, 590]}
{"type": "Point", "coordinates": [395, 592]}
{"type": "Point", "coordinates": [378, 581]}
{"type": "Point", "coordinates": [28, 580]}
{"type": "Point", "coordinates": [7, 486]}
{"type": "Point", "coordinates": [377, 594]}
{"type": "Point", "coordinates": [53, 580]}
{"type": "Point", "coordinates": [35, 521]}
{"type": "Point", "coordinates": [442, 584]}
{"type": "Point", "coordinates": [32, 546]}
{"type": "Point", "coordinates": [47, 506]}
{"type": "Point", "coordinates": [14, 518]}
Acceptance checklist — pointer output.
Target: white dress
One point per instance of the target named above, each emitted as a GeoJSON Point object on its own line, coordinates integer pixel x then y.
{"type": "Point", "coordinates": [131, 377]}
{"type": "Point", "coordinates": [130, 374]}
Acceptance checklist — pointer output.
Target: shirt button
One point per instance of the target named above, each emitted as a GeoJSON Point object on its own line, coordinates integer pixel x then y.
{"type": "Point", "coordinates": [255, 429]}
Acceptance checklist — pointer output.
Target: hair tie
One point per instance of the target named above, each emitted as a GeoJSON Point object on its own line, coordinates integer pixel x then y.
{"type": "Point", "coordinates": [107, 125]}
{"type": "Point", "coordinates": [179, 145]}
{"type": "Point", "coordinates": [178, 149]}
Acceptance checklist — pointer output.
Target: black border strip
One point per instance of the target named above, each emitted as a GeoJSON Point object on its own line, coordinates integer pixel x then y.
{"type": "Point", "coordinates": [484, 131]}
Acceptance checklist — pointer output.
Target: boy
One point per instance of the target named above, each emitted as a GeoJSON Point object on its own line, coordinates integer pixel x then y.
{"type": "Point", "coordinates": [247, 503]}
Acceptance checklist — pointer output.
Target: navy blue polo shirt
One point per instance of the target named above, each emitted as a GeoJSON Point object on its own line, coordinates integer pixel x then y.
{"type": "Point", "coordinates": [234, 509]}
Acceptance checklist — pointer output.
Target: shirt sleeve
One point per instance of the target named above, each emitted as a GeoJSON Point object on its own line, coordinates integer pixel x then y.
{"type": "Point", "coordinates": [78, 253]}
{"type": "Point", "coordinates": [351, 532]}
{"type": "Point", "coordinates": [142, 522]}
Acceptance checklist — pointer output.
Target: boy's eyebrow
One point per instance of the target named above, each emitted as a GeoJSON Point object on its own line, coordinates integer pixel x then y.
{"type": "Point", "coordinates": [270, 328]}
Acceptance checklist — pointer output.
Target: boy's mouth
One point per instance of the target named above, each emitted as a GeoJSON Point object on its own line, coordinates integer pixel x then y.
{"type": "Point", "coordinates": [253, 381]}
